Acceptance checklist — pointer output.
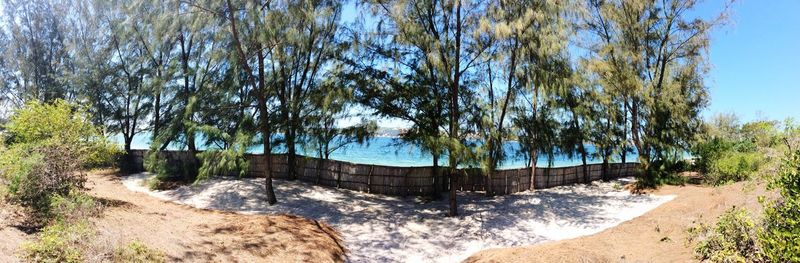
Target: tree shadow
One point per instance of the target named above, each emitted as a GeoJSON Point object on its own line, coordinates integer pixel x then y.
{"type": "Point", "coordinates": [385, 228]}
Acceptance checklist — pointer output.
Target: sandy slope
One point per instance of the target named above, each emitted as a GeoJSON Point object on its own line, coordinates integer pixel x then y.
{"type": "Point", "coordinates": [657, 236]}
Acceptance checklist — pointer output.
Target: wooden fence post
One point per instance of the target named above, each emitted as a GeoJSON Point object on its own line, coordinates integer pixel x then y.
{"type": "Point", "coordinates": [405, 182]}
{"type": "Point", "coordinates": [369, 179]}
{"type": "Point", "coordinates": [319, 171]}
{"type": "Point", "coordinates": [339, 177]}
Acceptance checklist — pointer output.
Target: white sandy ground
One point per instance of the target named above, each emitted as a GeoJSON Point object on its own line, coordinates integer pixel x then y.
{"type": "Point", "coordinates": [391, 229]}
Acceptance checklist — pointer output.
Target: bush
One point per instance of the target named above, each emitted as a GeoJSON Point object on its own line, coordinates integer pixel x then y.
{"type": "Point", "coordinates": [59, 242]}
{"type": "Point", "coordinates": [781, 234]}
{"type": "Point", "coordinates": [37, 174]}
{"type": "Point", "coordinates": [724, 161]}
{"type": "Point", "coordinates": [63, 124]}
{"type": "Point", "coordinates": [734, 167]}
{"type": "Point", "coordinates": [73, 207]}
{"type": "Point", "coordinates": [136, 252]}
{"type": "Point", "coordinates": [732, 239]}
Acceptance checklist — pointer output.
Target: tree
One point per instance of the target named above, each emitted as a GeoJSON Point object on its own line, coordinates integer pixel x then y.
{"type": "Point", "coordinates": [332, 104]}
{"type": "Point", "coordinates": [529, 35]}
{"type": "Point", "coordinates": [652, 54]}
{"type": "Point", "coordinates": [576, 126]}
{"type": "Point", "coordinates": [196, 58]}
{"type": "Point", "coordinates": [121, 92]}
{"type": "Point", "coordinates": [250, 36]}
{"type": "Point", "coordinates": [450, 40]}
{"type": "Point", "coordinates": [150, 22]}
{"type": "Point", "coordinates": [36, 57]}
{"type": "Point", "coordinates": [305, 33]}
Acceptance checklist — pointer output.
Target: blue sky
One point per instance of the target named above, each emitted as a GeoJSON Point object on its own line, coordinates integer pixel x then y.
{"type": "Point", "coordinates": [756, 60]}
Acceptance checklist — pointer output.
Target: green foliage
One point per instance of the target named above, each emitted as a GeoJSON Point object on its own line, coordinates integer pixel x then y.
{"type": "Point", "coordinates": [137, 252]}
{"type": "Point", "coordinates": [735, 152]}
{"type": "Point", "coordinates": [37, 174]}
{"type": "Point", "coordinates": [73, 207]}
{"type": "Point", "coordinates": [732, 239]}
{"type": "Point", "coordinates": [37, 122]}
{"type": "Point", "coordinates": [63, 124]}
{"type": "Point", "coordinates": [222, 162]}
{"type": "Point", "coordinates": [781, 233]}
{"type": "Point", "coordinates": [734, 167]}
{"type": "Point", "coordinates": [59, 242]}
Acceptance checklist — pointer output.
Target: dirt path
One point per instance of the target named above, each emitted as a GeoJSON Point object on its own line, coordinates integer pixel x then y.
{"type": "Point", "coordinates": [187, 234]}
{"type": "Point", "coordinates": [657, 236]}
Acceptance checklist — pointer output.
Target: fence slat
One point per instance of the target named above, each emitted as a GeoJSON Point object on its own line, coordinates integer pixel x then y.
{"type": "Point", "coordinates": [404, 181]}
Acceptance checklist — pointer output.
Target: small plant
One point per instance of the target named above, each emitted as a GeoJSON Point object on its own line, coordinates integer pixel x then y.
{"type": "Point", "coordinates": [137, 252]}
{"type": "Point", "coordinates": [74, 207]}
{"type": "Point", "coordinates": [59, 242]}
{"type": "Point", "coordinates": [732, 239]}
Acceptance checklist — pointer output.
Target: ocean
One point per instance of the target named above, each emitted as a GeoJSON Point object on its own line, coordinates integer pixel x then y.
{"type": "Point", "coordinates": [393, 152]}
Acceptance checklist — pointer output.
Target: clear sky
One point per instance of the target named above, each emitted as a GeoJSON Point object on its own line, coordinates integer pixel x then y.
{"type": "Point", "coordinates": [756, 60]}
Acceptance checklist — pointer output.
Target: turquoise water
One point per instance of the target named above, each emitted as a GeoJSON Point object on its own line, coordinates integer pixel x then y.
{"type": "Point", "coordinates": [392, 152]}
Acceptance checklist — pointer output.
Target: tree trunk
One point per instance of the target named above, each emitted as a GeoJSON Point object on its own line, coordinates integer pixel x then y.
{"type": "Point", "coordinates": [586, 177]}
{"type": "Point", "coordinates": [157, 116]}
{"type": "Point", "coordinates": [534, 159]}
{"type": "Point", "coordinates": [291, 150]}
{"type": "Point", "coordinates": [437, 184]}
{"type": "Point", "coordinates": [262, 102]}
{"type": "Point", "coordinates": [605, 167]}
{"type": "Point", "coordinates": [453, 202]}
{"type": "Point", "coordinates": [128, 162]}
{"type": "Point", "coordinates": [265, 129]}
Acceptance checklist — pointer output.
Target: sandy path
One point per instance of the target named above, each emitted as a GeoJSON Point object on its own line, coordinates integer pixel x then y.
{"type": "Point", "coordinates": [657, 236]}
{"type": "Point", "coordinates": [187, 234]}
{"type": "Point", "coordinates": [388, 229]}
{"type": "Point", "coordinates": [191, 235]}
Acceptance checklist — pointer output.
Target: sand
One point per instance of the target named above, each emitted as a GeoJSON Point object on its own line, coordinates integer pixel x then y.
{"type": "Point", "coordinates": [391, 229]}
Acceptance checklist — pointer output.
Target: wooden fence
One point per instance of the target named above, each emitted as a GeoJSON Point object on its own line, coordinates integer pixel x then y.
{"type": "Point", "coordinates": [407, 181]}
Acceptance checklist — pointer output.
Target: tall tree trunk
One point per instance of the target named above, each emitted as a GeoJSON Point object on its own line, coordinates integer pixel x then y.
{"type": "Point", "coordinates": [624, 152]}
{"type": "Point", "coordinates": [605, 165]}
{"type": "Point", "coordinates": [533, 151]}
{"type": "Point", "coordinates": [586, 176]}
{"type": "Point", "coordinates": [262, 102]}
{"type": "Point", "coordinates": [265, 129]}
{"type": "Point", "coordinates": [454, 111]}
{"type": "Point", "coordinates": [437, 184]}
{"type": "Point", "coordinates": [291, 150]}
{"type": "Point", "coordinates": [157, 115]}
{"type": "Point", "coordinates": [128, 162]}
{"type": "Point", "coordinates": [453, 185]}
{"type": "Point", "coordinates": [534, 159]}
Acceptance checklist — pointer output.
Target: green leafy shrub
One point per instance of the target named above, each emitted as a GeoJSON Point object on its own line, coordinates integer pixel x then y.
{"type": "Point", "coordinates": [59, 242]}
{"type": "Point", "coordinates": [136, 252]}
{"type": "Point", "coordinates": [734, 167]}
{"type": "Point", "coordinates": [781, 233]}
{"type": "Point", "coordinates": [74, 207]}
{"type": "Point", "coordinates": [732, 239]}
{"type": "Point", "coordinates": [63, 124]}
{"type": "Point", "coordinates": [36, 175]}
{"type": "Point", "coordinates": [707, 152]}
